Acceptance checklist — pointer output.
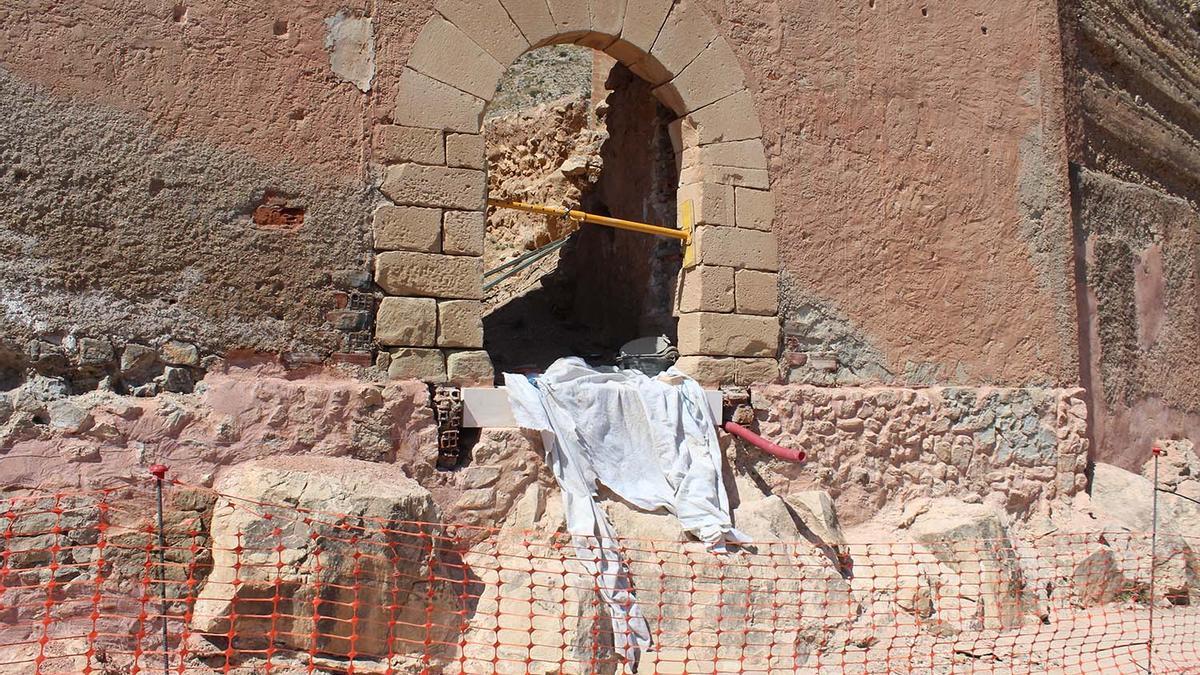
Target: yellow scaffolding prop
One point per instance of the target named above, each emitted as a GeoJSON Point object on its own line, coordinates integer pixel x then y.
{"type": "Point", "coordinates": [683, 235]}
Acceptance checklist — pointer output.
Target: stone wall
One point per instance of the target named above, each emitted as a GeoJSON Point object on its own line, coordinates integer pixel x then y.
{"type": "Point", "coordinates": [1021, 450]}
{"type": "Point", "coordinates": [1136, 185]}
{"type": "Point", "coordinates": [887, 188]}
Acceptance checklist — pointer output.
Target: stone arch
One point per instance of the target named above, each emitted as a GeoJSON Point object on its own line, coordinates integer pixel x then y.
{"type": "Point", "coordinates": [429, 240]}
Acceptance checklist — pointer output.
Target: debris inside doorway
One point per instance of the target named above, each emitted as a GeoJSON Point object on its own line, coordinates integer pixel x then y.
{"type": "Point", "coordinates": [608, 154]}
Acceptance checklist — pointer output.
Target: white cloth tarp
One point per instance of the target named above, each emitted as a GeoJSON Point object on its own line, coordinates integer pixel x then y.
{"type": "Point", "coordinates": [652, 442]}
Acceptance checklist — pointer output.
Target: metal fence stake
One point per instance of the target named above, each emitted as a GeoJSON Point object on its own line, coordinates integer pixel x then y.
{"type": "Point", "coordinates": [1156, 451]}
{"type": "Point", "coordinates": [159, 471]}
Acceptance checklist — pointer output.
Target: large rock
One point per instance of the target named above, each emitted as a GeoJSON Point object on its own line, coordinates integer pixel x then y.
{"type": "Point", "coordinates": [1124, 503]}
{"type": "Point", "coordinates": [1177, 464]}
{"type": "Point", "coordinates": [350, 545]}
{"type": "Point", "coordinates": [972, 540]}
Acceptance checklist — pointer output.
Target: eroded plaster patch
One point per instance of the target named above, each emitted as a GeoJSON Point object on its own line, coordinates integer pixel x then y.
{"type": "Point", "coordinates": [350, 41]}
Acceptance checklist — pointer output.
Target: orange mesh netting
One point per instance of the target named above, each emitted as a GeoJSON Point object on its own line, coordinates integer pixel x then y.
{"type": "Point", "coordinates": [244, 587]}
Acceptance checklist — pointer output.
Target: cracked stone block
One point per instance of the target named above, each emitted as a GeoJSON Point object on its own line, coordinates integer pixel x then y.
{"type": "Point", "coordinates": [712, 371]}
{"type": "Point", "coordinates": [713, 75]}
{"type": "Point", "coordinates": [685, 33]}
{"type": "Point", "coordinates": [446, 54]}
{"type": "Point", "coordinates": [732, 118]}
{"type": "Point", "coordinates": [533, 20]}
{"type": "Point", "coordinates": [422, 101]}
{"type": "Point", "coordinates": [489, 26]}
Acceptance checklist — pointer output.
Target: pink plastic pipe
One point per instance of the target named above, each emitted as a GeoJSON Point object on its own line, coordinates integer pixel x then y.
{"type": "Point", "coordinates": [762, 443]}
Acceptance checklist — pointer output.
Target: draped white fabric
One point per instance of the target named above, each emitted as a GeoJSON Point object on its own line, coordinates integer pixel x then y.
{"type": "Point", "coordinates": [653, 442]}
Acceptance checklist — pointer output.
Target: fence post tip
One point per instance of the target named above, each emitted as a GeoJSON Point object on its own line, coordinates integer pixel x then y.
{"type": "Point", "coordinates": [159, 471]}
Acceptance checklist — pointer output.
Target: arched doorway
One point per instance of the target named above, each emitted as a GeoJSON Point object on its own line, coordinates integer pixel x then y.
{"type": "Point", "coordinates": [430, 239]}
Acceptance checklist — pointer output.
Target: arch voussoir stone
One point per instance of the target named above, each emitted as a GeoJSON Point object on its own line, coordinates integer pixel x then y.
{"type": "Point", "coordinates": [685, 33]}
{"type": "Point", "coordinates": [533, 19]}
{"type": "Point", "coordinates": [446, 54]}
{"type": "Point", "coordinates": [713, 75]}
{"type": "Point", "coordinates": [488, 25]}
{"type": "Point", "coordinates": [728, 295]}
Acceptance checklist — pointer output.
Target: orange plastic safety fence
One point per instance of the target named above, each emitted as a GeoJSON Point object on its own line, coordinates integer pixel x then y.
{"type": "Point", "coordinates": [271, 588]}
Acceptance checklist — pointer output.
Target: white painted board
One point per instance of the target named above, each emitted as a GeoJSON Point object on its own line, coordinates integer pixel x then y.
{"type": "Point", "coordinates": [489, 407]}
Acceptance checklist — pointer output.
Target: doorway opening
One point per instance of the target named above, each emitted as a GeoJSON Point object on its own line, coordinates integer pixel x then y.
{"type": "Point", "coordinates": [570, 127]}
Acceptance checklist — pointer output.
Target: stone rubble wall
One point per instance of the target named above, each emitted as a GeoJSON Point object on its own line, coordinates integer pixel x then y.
{"type": "Point", "coordinates": [1023, 450]}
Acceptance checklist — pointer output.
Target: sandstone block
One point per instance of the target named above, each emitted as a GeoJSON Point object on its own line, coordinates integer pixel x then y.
{"type": "Point", "coordinates": [407, 322]}
{"type": "Point", "coordinates": [989, 574]}
{"type": "Point", "coordinates": [407, 228]}
{"type": "Point", "coordinates": [395, 144]}
{"type": "Point", "coordinates": [411, 363]}
{"type": "Point", "coordinates": [533, 20]}
{"type": "Point", "coordinates": [422, 101]}
{"type": "Point", "coordinates": [465, 151]}
{"type": "Point", "coordinates": [757, 292]}
{"type": "Point", "coordinates": [712, 203]}
{"type": "Point", "coordinates": [816, 510]}
{"type": "Point", "coordinates": [463, 232]}
{"type": "Point", "coordinates": [489, 26]}
{"type": "Point", "coordinates": [608, 16]}
{"type": "Point", "coordinates": [747, 154]}
{"type": "Point", "coordinates": [647, 67]}
{"type": "Point", "coordinates": [429, 275]}
{"type": "Point", "coordinates": [572, 20]}
{"type": "Point", "coordinates": [470, 368]}
{"type": "Point", "coordinates": [713, 75]}
{"type": "Point", "coordinates": [670, 97]}
{"type": "Point", "coordinates": [356, 608]}
{"type": "Point", "coordinates": [732, 118]}
{"type": "Point", "coordinates": [707, 288]}
{"type": "Point", "coordinates": [754, 209]}
{"type": "Point", "coordinates": [595, 39]}
{"type": "Point", "coordinates": [685, 33]}
{"type": "Point", "coordinates": [736, 247]}
{"type": "Point", "coordinates": [446, 54]}
{"type": "Point", "coordinates": [437, 186]}
{"type": "Point", "coordinates": [643, 20]}
{"type": "Point", "coordinates": [710, 334]}
{"type": "Point", "coordinates": [713, 371]}
{"type": "Point", "coordinates": [460, 323]}
{"type": "Point", "coordinates": [729, 175]}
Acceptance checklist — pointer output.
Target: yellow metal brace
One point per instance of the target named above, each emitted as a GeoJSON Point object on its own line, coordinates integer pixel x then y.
{"type": "Point", "coordinates": [581, 216]}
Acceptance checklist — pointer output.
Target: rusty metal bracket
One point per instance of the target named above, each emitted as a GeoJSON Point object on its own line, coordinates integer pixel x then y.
{"type": "Point", "coordinates": [448, 411]}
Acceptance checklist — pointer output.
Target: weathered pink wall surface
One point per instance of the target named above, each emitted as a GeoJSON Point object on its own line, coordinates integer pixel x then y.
{"type": "Point", "coordinates": [915, 152]}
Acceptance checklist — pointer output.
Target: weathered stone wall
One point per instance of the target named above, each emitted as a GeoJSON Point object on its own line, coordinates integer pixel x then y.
{"type": "Point", "coordinates": [920, 176]}
{"type": "Point", "coordinates": [195, 171]}
{"type": "Point", "coordinates": [916, 170]}
{"type": "Point", "coordinates": [1021, 450]}
{"type": "Point", "coordinates": [1136, 188]}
